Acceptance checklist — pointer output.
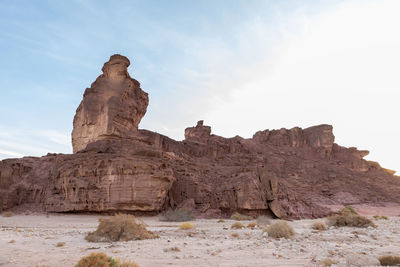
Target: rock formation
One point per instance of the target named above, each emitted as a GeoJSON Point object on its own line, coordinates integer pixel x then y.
{"type": "Point", "coordinates": [112, 107]}
{"type": "Point", "coordinates": [291, 173]}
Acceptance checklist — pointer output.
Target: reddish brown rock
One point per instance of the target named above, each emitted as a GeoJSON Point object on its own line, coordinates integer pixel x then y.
{"type": "Point", "coordinates": [291, 173]}
{"type": "Point", "coordinates": [112, 107]}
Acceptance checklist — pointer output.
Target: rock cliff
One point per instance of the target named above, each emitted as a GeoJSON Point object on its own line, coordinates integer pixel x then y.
{"type": "Point", "coordinates": [290, 173]}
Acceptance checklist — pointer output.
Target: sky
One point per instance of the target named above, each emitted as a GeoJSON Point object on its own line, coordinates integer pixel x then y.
{"type": "Point", "coordinates": [241, 66]}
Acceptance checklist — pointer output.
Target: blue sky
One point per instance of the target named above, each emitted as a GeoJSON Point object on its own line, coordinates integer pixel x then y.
{"type": "Point", "coordinates": [242, 66]}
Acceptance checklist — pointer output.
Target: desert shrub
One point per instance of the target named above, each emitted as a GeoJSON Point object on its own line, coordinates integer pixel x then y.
{"type": "Point", "coordinates": [186, 226]}
{"type": "Point", "coordinates": [347, 217]}
{"type": "Point", "coordinates": [240, 217]}
{"type": "Point", "coordinates": [237, 225]}
{"type": "Point", "coordinates": [235, 235]}
{"type": "Point", "coordinates": [12, 241]}
{"type": "Point", "coordinates": [378, 217]}
{"type": "Point", "coordinates": [349, 209]}
{"type": "Point", "coordinates": [319, 225]}
{"type": "Point", "coordinates": [280, 229]}
{"type": "Point", "coordinates": [60, 244]}
{"type": "Point", "coordinates": [97, 259]}
{"type": "Point", "coordinates": [178, 215]}
{"type": "Point", "coordinates": [252, 225]}
{"type": "Point", "coordinates": [7, 214]}
{"type": "Point", "coordinates": [120, 227]}
{"type": "Point", "coordinates": [221, 221]}
{"type": "Point", "coordinates": [263, 220]}
{"type": "Point", "coordinates": [327, 262]}
{"type": "Point", "coordinates": [389, 260]}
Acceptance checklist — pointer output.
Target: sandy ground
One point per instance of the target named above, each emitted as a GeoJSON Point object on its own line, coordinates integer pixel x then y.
{"type": "Point", "coordinates": [210, 243]}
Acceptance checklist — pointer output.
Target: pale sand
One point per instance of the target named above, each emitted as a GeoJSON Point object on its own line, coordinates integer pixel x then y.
{"type": "Point", "coordinates": [209, 244]}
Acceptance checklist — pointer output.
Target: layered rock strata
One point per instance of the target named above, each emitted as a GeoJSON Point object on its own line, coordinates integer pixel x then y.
{"type": "Point", "coordinates": [290, 173]}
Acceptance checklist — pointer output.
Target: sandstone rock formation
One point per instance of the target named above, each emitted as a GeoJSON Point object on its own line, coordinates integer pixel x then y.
{"type": "Point", "coordinates": [290, 173]}
{"type": "Point", "coordinates": [112, 107]}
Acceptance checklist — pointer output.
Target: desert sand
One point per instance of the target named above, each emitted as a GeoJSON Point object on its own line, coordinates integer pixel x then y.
{"type": "Point", "coordinates": [210, 243]}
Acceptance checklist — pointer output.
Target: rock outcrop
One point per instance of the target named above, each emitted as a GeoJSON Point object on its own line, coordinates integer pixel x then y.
{"type": "Point", "coordinates": [112, 107]}
{"type": "Point", "coordinates": [290, 173]}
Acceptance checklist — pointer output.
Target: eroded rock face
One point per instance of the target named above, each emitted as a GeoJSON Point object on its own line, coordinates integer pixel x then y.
{"type": "Point", "coordinates": [112, 107]}
{"type": "Point", "coordinates": [290, 173]}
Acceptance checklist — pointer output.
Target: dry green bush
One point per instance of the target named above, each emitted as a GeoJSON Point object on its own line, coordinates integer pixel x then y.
{"type": "Point", "coordinates": [7, 214]}
{"type": "Point", "coordinates": [178, 215]}
{"type": "Point", "coordinates": [348, 217]}
{"type": "Point", "coordinates": [100, 259]}
{"type": "Point", "coordinates": [97, 259]}
{"type": "Point", "coordinates": [237, 225]}
{"type": "Point", "coordinates": [221, 221]}
{"type": "Point", "coordinates": [60, 244]}
{"type": "Point", "coordinates": [263, 220]}
{"type": "Point", "coordinates": [120, 227]}
{"type": "Point", "coordinates": [349, 209]}
{"type": "Point", "coordinates": [186, 226]}
{"type": "Point", "coordinates": [378, 217]}
{"type": "Point", "coordinates": [319, 225]}
{"type": "Point", "coordinates": [389, 260]}
{"type": "Point", "coordinates": [327, 262]}
{"type": "Point", "coordinates": [280, 229]}
{"type": "Point", "coordinates": [240, 217]}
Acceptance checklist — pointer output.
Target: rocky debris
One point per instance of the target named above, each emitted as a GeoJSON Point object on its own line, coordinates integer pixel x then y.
{"type": "Point", "coordinates": [290, 173]}
{"type": "Point", "coordinates": [112, 107]}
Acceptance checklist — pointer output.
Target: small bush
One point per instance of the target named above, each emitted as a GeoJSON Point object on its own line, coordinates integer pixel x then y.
{"type": "Point", "coordinates": [327, 262]}
{"type": "Point", "coordinates": [97, 259]}
{"type": "Point", "coordinates": [221, 221]}
{"type": "Point", "coordinates": [178, 215]}
{"type": "Point", "coordinates": [263, 220]}
{"type": "Point", "coordinates": [347, 217]}
{"type": "Point", "coordinates": [127, 263]}
{"type": "Point", "coordinates": [349, 209]}
{"type": "Point", "coordinates": [186, 226]}
{"type": "Point", "coordinates": [60, 244]}
{"type": "Point", "coordinates": [378, 217]}
{"type": "Point", "coordinates": [279, 230]}
{"type": "Point", "coordinates": [120, 227]}
{"type": "Point", "coordinates": [235, 235]}
{"type": "Point", "coordinates": [252, 225]}
{"type": "Point", "coordinates": [319, 225]}
{"type": "Point", "coordinates": [237, 225]}
{"type": "Point", "coordinates": [389, 260]}
{"type": "Point", "coordinates": [240, 217]}
{"type": "Point", "coordinates": [12, 241]}
{"type": "Point", "coordinates": [7, 214]}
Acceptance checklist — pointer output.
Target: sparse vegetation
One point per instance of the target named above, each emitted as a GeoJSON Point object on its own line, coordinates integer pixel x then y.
{"type": "Point", "coordinates": [120, 227]}
{"type": "Point", "coordinates": [280, 229]}
{"type": "Point", "coordinates": [186, 226]}
{"type": "Point", "coordinates": [327, 262]}
{"type": "Point", "coordinates": [60, 244]}
{"type": "Point", "coordinates": [252, 225]}
{"type": "Point", "coordinates": [178, 215]}
{"type": "Point", "coordinates": [263, 220]}
{"type": "Point", "coordinates": [389, 260]}
{"type": "Point", "coordinates": [319, 225]}
{"type": "Point", "coordinates": [237, 225]}
{"type": "Point", "coordinates": [7, 214]}
{"type": "Point", "coordinates": [378, 217]}
{"type": "Point", "coordinates": [348, 217]}
{"type": "Point", "coordinates": [221, 221]}
{"type": "Point", "coordinates": [349, 209]}
{"type": "Point", "coordinates": [235, 235]}
{"type": "Point", "coordinates": [240, 217]}
{"type": "Point", "coordinates": [97, 259]}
